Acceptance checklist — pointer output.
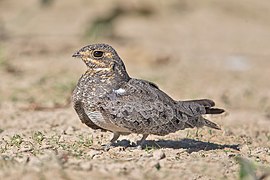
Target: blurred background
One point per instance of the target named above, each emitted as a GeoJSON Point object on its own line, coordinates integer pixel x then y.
{"type": "Point", "coordinates": [218, 50]}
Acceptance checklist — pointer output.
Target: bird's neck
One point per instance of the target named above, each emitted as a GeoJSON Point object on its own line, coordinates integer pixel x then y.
{"type": "Point", "coordinates": [115, 71]}
{"type": "Point", "coordinates": [105, 77]}
{"type": "Point", "coordinates": [96, 83]}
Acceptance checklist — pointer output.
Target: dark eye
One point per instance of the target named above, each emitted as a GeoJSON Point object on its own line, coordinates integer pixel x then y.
{"type": "Point", "coordinates": [98, 53]}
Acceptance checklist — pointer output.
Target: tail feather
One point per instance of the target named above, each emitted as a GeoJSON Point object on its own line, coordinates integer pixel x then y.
{"type": "Point", "coordinates": [207, 104]}
{"type": "Point", "coordinates": [214, 111]}
{"type": "Point", "coordinates": [211, 124]}
{"type": "Point", "coordinates": [203, 102]}
{"type": "Point", "coordinates": [196, 120]}
{"type": "Point", "coordinates": [200, 122]}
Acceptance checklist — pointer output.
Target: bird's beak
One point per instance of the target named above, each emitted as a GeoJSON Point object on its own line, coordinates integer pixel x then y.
{"type": "Point", "coordinates": [77, 54]}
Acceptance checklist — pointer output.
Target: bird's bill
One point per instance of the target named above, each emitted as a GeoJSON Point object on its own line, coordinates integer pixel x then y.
{"type": "Point", "coordinates": [77, 54]}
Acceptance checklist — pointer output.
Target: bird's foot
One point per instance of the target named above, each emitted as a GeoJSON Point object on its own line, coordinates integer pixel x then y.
{"type": "Point", "coordinates": [108, 146]}
{"type": "Point", "coordinates": [141, 143]}
{"type": "Point", "coordinates": [139, 147]}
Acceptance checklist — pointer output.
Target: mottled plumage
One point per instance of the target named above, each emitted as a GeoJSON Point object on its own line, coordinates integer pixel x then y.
{"type": "Point", "coordinates": [107, 98]}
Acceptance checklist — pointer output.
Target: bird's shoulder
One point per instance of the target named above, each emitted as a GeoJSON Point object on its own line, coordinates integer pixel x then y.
{"type": "Point", "coordinates": [135, 90]}
{"type": "Point", "coordinates": [139, 86]}
{"type": "Point", "coordinates": [141, 82]}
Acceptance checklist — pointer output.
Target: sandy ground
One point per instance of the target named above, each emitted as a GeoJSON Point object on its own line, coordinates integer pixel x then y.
{"type": "Point", "coordinates": [191, 50]}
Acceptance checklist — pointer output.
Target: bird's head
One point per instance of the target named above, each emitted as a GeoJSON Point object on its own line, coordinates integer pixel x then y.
{"type": "Point", "coordinates": [99, 57]}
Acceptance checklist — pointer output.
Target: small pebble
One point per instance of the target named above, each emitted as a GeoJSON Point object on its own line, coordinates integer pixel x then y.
{"type": "Point", "coordinates": [159, 154]}
{"type": "Point", "coordinates": [34, 161]}
{"type": "Point", "coordinates": [267, 158]}
{"type": "Point", "coordinates": [155, 164]}
{"type": "Point", "coordinates": [70, 130]}
{"type": "Point", "coordinates": [86, 166]}
{"type": "Point", "coordinates": [245, 149]}
{"type": "Point", "coordinates": [26, 148]}
{"type": "Point", "coordinates": [21, 160]}
{"type": "Point", "coordinates": [93, 153]}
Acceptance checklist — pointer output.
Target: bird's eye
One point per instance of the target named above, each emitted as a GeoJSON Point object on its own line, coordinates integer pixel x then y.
{"type": "Point", "coordinates": [98, 53]}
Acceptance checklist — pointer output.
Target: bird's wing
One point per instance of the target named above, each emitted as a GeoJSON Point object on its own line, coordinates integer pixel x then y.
{"type": "Point", "coordinates": [142, 107]}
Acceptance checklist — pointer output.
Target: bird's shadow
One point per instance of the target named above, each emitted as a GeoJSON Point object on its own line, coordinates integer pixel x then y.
{"type": "Point", "coordinates": [191, 145]}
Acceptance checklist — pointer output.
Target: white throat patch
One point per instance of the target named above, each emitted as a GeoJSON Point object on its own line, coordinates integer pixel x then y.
{"type": "Point", "coordinates": [102, 69]}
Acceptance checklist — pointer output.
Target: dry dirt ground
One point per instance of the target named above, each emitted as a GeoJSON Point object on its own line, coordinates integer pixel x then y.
{"type": "Point", "coordinates": [199, 49]}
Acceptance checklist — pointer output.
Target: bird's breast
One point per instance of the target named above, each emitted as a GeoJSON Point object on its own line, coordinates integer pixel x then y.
{"type": "Point", "coordinates": [104, 122]}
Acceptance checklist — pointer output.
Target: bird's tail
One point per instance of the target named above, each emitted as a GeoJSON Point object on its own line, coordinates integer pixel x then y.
{"type": "Point", "coordinates": [200, 122]}
{"type": "Point", "coordinates": [210, 124]}
{"type": "Point", "coordinates": [208, 105]}
{"type": "Point", "coordinates": [204, 106]}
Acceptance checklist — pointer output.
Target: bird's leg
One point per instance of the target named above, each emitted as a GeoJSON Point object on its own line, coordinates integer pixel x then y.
{"type": "Point", "coordinates": [142, 141]}
{"type": "Point", "coordinates": [115, 137]}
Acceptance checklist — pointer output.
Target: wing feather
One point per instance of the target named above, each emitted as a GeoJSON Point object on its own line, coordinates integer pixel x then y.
{"type": "Point", "coordinates": [143, 108]}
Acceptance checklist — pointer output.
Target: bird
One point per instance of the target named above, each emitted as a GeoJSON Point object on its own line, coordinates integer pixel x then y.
{"type": "Point", "coordinates": [107, 98]}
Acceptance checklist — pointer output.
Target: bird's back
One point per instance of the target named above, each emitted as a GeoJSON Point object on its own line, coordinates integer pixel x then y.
{"type": "Point", "coordinates": [141, 107]}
